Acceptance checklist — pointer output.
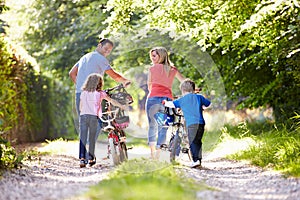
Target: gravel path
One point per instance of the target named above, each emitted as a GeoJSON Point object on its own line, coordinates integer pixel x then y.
{"type": "Point", "coordinates": [239, 180]}
{"type": "Point", "coordinates": [59, 177]}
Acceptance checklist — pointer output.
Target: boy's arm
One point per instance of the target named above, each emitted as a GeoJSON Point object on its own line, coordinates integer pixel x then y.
{"type": "Point", "coordinates": [169, 104]}
{"type": "Point", "coordinates": [206, 103]}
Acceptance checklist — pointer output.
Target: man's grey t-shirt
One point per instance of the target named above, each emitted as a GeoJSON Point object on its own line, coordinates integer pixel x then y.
{"type": "Point", "coordinates": [92, 62]}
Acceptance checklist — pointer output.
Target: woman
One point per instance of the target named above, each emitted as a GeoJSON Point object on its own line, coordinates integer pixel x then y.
{"type": "Point", "coordinates": [160, 80]}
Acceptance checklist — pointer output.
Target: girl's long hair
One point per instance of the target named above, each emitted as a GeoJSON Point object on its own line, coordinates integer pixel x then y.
{"type": "Point", "coordinates": [92, 82]}
{"type": "Point", "coordinates": [163, 58]}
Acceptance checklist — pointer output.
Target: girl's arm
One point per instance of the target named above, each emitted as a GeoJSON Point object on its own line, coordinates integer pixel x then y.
{"type": "Point", "coordinates": [116, 103]}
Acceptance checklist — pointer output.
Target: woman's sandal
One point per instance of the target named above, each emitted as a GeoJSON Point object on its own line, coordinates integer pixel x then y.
{"type": "Point", "coordinates": [92, 162]}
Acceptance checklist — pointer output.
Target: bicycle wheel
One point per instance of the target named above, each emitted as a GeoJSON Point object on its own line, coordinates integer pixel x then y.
{"type": "Point", "coordinates": [123, 152]}
{"type": "Point", "coordinates": [175, 146]}
{"type": "Point", "coordinates": [113, 151]}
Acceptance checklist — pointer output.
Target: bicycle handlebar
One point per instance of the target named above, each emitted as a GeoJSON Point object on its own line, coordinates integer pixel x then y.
{"type": "Point", "coordinates": [118, 87]}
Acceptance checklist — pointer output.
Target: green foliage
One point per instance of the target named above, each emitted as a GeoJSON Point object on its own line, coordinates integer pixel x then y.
{"type": "Point", "coordinates": [259, 44]}
{"type": "Point", "coordinates": [30, 109]}
{"type": "Point", "coordinates": [60, 32]}
{"type": "Point", "coordinates": [12, 78]}
{"type": "Point", "coordinates": [145, 179]}
{"type": "Point", "coordinates": [274, 148]}
{"type": "Point", "coordinates": [8, 155]}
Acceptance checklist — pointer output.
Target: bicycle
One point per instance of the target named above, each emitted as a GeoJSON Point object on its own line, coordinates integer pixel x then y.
{"type": "Point", "coordinates": [179, 140]}
{"type": "Point", "coordinates": [114, 120]}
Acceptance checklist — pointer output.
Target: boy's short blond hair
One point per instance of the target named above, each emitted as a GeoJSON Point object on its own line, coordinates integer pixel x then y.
{"type": "Point", "coordinates": [187, 86]}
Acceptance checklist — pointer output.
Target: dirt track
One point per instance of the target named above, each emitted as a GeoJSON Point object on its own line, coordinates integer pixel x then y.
{"type": "Point", "coordinates": [59, 177]}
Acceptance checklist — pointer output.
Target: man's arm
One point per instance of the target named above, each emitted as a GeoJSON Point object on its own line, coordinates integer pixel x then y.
{"type": "Point", "coordinates": [117, 77]}
{"type": "Point", "coordinates": [73, 73]}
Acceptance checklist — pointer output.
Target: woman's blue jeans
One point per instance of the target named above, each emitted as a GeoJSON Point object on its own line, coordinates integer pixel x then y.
{"type": "Point", "coordinates": [154, 106]}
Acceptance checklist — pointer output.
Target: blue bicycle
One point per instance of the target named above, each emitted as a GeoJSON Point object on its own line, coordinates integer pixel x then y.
{"type": "Point", "coordinates": [178, 142]}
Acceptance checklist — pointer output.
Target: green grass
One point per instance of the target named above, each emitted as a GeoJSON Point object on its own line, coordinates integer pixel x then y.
{"type": "Point", "coordinates": [145, 179]}
{"type": "Point", "coordinates": [210, 140]}
{"type": "Point", "coordinates": [274, 148]}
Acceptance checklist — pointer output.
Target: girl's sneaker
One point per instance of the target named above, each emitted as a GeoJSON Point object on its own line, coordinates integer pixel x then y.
{"type": "Point", "coordinates": [82, 163]}
{"type": "Point", "coordinates": [92, 162]}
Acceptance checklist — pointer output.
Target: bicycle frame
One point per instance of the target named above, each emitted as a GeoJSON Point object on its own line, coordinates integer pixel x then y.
{"type": "Point", "coordinates": [116, 136]}
{"type": "Point", "coordinates": [178, 140]}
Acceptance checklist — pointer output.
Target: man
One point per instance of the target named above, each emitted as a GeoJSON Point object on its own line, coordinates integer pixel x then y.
{"type": "Point", "coordinates": [94, 62]}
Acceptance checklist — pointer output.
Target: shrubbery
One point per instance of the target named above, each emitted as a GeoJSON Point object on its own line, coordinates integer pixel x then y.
{"type": "Point", "coordinates": [33, 107]}
{"type": "Point", "coordinates": [276, 148]}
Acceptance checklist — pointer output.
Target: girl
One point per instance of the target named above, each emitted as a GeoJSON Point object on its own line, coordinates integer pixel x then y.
{"type": "Point", "coordinates": [90, 107]}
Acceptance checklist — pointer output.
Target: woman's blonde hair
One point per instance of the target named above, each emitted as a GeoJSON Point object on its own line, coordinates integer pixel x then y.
{"type": "Point", "coordinates": [163, 58]}
{"type": "Point", "coordinates": [93, 82]}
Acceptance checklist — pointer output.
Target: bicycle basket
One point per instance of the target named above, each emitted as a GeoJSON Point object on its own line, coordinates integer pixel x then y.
{"type": "Point", "coordinates": [122, 97]}
{"type": "Point", "coordinates": [122, 122]}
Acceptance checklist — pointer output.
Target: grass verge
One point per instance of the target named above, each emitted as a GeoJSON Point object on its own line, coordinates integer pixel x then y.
{"type": "Point", "coordinates": [145, 179]}
{"type": "Point", "coordinates": [274, 148]}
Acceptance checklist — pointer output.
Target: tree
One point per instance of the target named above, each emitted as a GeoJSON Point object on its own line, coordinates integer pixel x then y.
{"type": "Point", "coordinates": [256, 48]}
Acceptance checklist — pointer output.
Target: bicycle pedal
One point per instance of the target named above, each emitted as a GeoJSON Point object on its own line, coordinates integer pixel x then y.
{"type": "Point", "coordinates": [163, 146]}
{"type": "Point", "coordinates": [129, 148]}
{"type": "Point", "coordinates": [185, 150]}
{"type": "Point", "coordinates": [122, 139]}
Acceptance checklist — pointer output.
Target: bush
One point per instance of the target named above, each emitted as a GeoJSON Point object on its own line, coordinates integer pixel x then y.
{"type": "Point", "coordinates": [8, 156]}
{"type": "Point", "coordinates": [276, 148]}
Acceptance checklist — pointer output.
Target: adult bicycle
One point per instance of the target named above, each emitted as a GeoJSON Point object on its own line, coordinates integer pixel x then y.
{"type": "Point", "coordinates": [114, 121]}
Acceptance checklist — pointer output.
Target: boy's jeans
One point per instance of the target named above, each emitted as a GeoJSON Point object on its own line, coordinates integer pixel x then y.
{"type": "Point", "coordinates": [195, 134]}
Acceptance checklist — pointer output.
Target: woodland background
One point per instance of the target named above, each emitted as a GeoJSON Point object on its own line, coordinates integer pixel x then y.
{"type": "Point", "coordinates": [249, 47]}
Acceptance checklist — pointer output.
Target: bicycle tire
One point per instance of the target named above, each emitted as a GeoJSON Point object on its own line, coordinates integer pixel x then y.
{"type": "Point", "coordinates": [113, 152]}
{"type": "Point", "coordinates": [123, 152]}
{"type": "Point", "coordinates": [175, 146]}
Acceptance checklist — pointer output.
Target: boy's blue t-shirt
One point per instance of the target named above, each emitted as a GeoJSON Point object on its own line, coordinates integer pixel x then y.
{"type": "Point", "coordinates": [191, 106]}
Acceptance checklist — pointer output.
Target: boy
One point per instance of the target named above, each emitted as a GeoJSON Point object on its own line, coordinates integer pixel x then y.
{"type": "Point", "coordinates": [191, 105]}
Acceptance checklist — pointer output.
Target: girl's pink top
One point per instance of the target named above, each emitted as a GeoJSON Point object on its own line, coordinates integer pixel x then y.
{"type": "Point", "coordinates": [90, 102]}
{"type": "Point", "coordinates": [161, 82]}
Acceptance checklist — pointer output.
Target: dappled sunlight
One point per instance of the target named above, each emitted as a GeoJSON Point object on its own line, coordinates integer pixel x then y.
{"type": "Point", "coordinates": [60, 146]}
{"type": "Point", "coordinates": [215, 119]}
{"type": "Point", "coordinates": [230, 146]}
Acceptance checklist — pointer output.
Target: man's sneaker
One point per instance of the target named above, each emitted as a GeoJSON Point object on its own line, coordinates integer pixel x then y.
{"type": "Point", "coordinates": [82, 163]}
{"type": "Point", "coordinates": [195, 164]}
